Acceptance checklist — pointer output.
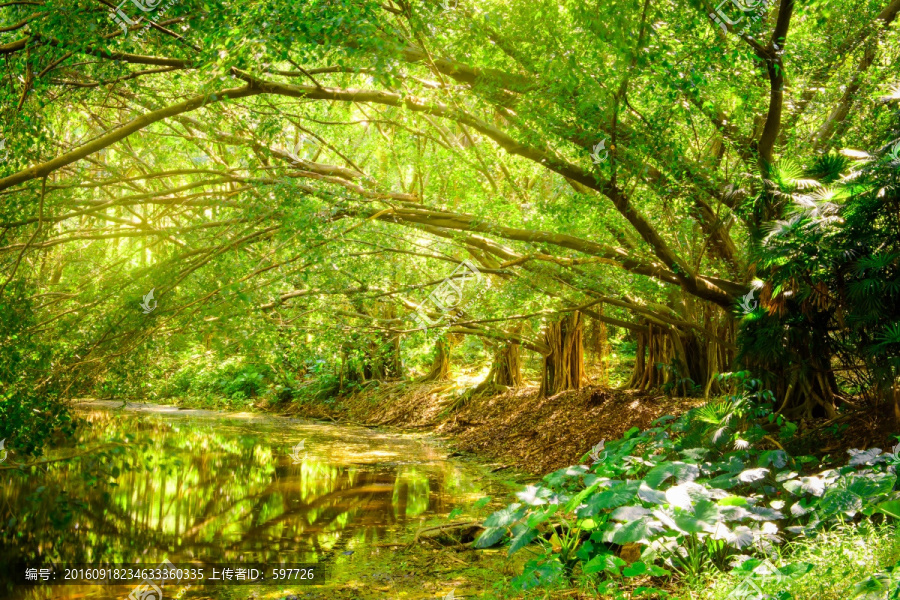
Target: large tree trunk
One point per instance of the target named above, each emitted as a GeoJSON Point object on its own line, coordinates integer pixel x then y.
{"type": "Point", "coordinates": [505, 373]}
{"type": "Point", "coordinates": [380, 357]}
{"type": "Point", "coordinates": [440, 365]}
{"type": "Point", "coordinates": [790, 349]}
{"type": "Point", "coordinates": [599, 344]}
{"type": "Point", "coordinates": [681, 362]}
{"type": "Point", "coordinates": [507, 366]}
{"type": "Point", "coordinates": [564, 365]}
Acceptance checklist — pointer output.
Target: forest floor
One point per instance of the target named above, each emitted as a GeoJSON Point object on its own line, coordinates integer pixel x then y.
{"type": "Point", "coordinates": [521, 430]}
{"type": "Point", "coordinates": [518, 428]}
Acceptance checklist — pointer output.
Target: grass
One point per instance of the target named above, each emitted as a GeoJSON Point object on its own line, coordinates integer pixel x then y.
{"type": "Point", "coordinates": [840, 558]}
{"type": "Point", "coordinates": [836, 561]}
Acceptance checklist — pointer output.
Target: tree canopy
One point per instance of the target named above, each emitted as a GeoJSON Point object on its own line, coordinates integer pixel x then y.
{"type": "Point", "coordinates": [294, 179]}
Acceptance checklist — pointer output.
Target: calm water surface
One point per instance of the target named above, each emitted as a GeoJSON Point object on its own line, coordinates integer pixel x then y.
{"type": "Point", "coordinates": [195, 486]}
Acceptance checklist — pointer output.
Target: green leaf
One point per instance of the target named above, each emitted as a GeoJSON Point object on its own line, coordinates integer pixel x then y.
{"type": "Point", "coordinates": [733, 501]}
{"type": "Point", "coordinates": [603, 562]}
{"type": "Point", "coordinates": [751, 475]}
{"type": "Point", "coordinates": [840, 501]}
{"type": "Point", "coordinates": [890, 508]}
{"type": "Point", "coordinates": [525, 537]}
{"type": "Point", "coordinates": [490, 536]}
{"type": "Point", "coordinates": [577, 500]}
{"type": "Point", "coordinates": [534, 495]}
{"type": "Point", "coordinates": [872, 484]}
{"type": "Point", "coordinates": [611, 498]}
{"type": "Point", "coordinates": [682, 472]}
{"type": "Point", "coordinates": [636, 531]}
{"type": "Point", "coordinates": [657, 571]}
{"type": "Point", "coordinates": [539, 516]}
{"type": "Point", "coordinates": [481, 503]}
{"type": "Point", "coordinates": [561, 477]}
{"type": "Point", "coordinates": [796, 570]}
{"type": "Point", "coordinates": [505, 516]}
{"type": "Point", "coordinates": [776, 458]}
{"type": "Point", "coordinates": [635, 569]}
{"type": "Point", "coordinates": [629, 513]}
{"type": "Point", "coordinates": [641, 591]}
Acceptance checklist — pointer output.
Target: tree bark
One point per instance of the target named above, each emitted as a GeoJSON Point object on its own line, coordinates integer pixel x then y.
{"type": "Point", "coordinates": [505, 373]}
{"type": "Point", "coordinates": [440, 365]}
{"type": "Point", "coordinates": [563, 368]}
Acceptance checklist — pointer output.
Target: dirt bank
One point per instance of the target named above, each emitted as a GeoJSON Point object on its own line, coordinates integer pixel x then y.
{"type": "Point", "coordinates": [517, 428]}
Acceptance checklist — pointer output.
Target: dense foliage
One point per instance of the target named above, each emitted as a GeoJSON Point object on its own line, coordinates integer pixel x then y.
{"type": "Point", "coordinates": [260, 203]}
{"type": "Point", "coordinates": [692, 498]}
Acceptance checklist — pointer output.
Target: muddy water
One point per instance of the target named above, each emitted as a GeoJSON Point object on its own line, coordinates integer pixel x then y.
{"type": "Point", "coordinates": [204, 487]}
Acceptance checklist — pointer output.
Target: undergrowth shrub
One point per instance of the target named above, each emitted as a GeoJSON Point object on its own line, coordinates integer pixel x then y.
{"type": "Point", "coordinates": [689, 494]}
{"type": "Point", "coordinates": [231, 380]}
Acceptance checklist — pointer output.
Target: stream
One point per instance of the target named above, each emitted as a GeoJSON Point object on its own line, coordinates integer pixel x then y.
{"type": "Point", "coordinates": [198, 487]}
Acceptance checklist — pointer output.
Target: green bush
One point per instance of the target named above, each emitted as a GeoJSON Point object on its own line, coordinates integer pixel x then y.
{"type": "Point", "coordinates": [690, 506]}
{"type": "Point", "coordinates": [230, 380]}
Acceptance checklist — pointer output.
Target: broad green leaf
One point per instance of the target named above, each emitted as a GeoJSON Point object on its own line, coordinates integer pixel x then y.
{"type": "Point", "coordinates": [682, 472]}
{"type": "Point", "coordinates": [577, 500]}
{"type": "Point", "coordinates": [481, 503]}
{"type": "Point", "coordinates": [524, 537]}
{"type": "Point", "coordinates": [776, 458]}
{"type": "Point", "coordinates": [835, 501]}
{"type": "Point", "coordinates": [891, 508]}
{"type": "Point", "coordinates": [611, 498]}
{"type": "Point", "coordinates": [629, 513]}
{"type": "Point", "coordinates": [634, 569]}
{"type": "Point", "coordinates": [603, 562]}
{"type": "Point", "coordinates": [686, 494]}
{"type": "Point", "coordinates": [641, 591]}
{"type": "Point", "coordinates": [534, 495]}
{"type": "Point", "coordinates": [490, 536]}
{"type": "Point", "coordinates": [541, 515]}
{"type": "Point", "coordinates": [733, 501]}
{"type": "Point", "coordinates": [751, 475]}
{"type": "Point", "coordinates": [641, 530]}
{"type": "Point", "coordinates": [505, 516]}
{"type": "Point", "coordinates": [871, 484]}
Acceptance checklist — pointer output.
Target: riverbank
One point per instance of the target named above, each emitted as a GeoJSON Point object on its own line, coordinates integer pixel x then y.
{"type": "Point", "coordinates": [508, 433]}
{"type": "Point", "coordinates": [517, 429]}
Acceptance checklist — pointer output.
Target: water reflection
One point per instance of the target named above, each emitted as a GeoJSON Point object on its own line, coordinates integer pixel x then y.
{"type": "Point", "coordinates": [197, 486]}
